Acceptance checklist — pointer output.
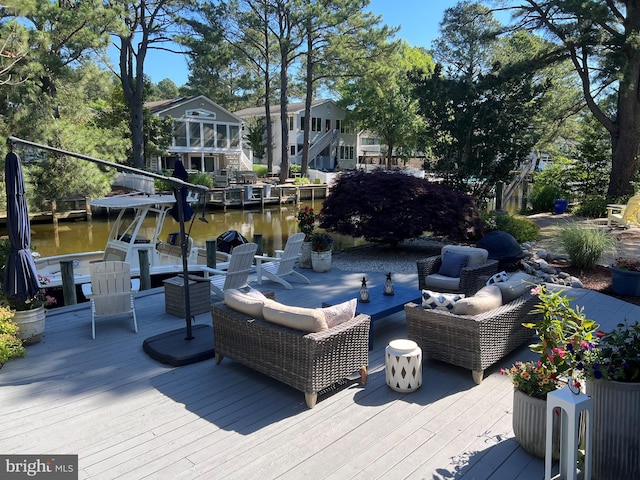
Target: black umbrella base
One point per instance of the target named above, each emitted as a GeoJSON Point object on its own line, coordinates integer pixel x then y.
{"type": "Point", "coordinates": [172, 347]}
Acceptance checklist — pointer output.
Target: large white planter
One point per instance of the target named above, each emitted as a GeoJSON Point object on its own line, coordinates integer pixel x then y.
{"type": "Point", "coordinates": [321, 261]}
{"type": "Point", "coordinates": [530, 425]}
{"type": "Point", "coordinates": [31, 324]}
{"type": "Point", "coordinates": [616, 419]}
{"type": "Point", "coordinates": [305, 255]}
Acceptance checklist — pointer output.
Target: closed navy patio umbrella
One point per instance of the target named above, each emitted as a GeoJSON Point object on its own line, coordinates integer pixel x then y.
{"type": "Point", "coordinates": [21, 279]}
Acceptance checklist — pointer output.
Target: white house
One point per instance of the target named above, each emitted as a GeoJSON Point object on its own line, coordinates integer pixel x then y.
{"type": "Point", "coordinates": [332, 142]}
{"type": "Point", "coordinates": [206, 137]}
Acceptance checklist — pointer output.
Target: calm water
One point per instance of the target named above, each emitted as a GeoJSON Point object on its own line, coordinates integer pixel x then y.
{"type": "Point", "coordinates": [275, 225]}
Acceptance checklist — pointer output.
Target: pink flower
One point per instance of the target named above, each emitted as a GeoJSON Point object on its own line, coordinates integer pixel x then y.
{"type": "Point", "coordinates": [536, 290]}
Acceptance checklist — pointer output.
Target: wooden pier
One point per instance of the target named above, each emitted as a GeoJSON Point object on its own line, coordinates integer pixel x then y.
{"type": "Point", "coordinates": [262, 195]}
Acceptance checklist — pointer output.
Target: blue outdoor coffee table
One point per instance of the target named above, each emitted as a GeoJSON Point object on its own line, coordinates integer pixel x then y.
{"type": "Point", "coordinates": [380, 306]}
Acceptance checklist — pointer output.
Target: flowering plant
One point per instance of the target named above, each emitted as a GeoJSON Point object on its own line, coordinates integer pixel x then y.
{"type": "Point", "coordinates": [629, 264]}
{"type": "Point", "coordinates": [616, 356]}
{"type": "Point", "coordinates": [41, 299]}
{"type": "Point", "coordinates": [564, 333]}
{"type": "Point", "coordinates": [532, 378]}
{"type": "Point", "coordinates": [306, 221]}
{"type": "Point", "coordinates": [321, 242]}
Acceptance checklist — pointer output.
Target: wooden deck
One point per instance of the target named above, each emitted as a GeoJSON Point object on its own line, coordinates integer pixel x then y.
{"type": "Point", "coordinates": [129, 417]}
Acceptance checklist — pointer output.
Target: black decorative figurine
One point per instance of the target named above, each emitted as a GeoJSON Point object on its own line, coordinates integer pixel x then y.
{"type": "Point", "coordinates": [364, 292]}
{"type": "Point", "coordinates": [388, 285]}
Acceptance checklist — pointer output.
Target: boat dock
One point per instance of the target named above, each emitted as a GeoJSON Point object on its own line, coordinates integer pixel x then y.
{"type": "Point", "coordinates": [264, 194]}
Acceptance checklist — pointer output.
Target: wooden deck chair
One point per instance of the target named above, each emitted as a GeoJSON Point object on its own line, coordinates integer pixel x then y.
{"type": "Point", "coordinates": [236, 275]}
{"type": "Point", "coordinates": [275, 268]}
{"type": "Point", "coordinates": [626, 215]}
{"type": "Point", "coordinates": [111, 292]}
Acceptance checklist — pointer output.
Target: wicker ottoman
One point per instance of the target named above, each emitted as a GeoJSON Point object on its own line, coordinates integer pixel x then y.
{"type": "Point", "coordinates": [403, 365]}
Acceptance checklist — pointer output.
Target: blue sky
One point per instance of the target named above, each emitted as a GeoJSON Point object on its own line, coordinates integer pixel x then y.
{"type": "Point", "coordinates": [419, 20]}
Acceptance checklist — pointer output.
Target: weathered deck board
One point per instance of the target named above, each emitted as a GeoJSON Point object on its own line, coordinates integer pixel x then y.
{"type": "Point", "coordinates": [129, 417]}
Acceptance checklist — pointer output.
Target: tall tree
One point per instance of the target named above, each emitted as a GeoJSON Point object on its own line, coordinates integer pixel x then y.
{"type": "Point", "coordinates": [287, 30]}
{"type": "Point", "coordinates": [600, 39]}
{"type": "Point", "coordinates": [478, 116]}
{"type": "Point", "coordinates": [145, 25]}
{"type": "Point", "coordinates": [339, 36]}
{"type": "Point", "coordinates": [382, 101]}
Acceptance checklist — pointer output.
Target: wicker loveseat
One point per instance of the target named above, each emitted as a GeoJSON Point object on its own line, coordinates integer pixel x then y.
{"type": "Point", "coordinates": [474, 342]}
{"type": "Point", "coordinates": [309, 362]}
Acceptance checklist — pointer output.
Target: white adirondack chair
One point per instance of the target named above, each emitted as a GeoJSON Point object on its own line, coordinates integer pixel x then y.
{"type": "Point", "coordinates": [236, 275]}
{"type": "Point", "coordinates": [111, 292]}
{"type": "Point", "coordinates": [275, 268]}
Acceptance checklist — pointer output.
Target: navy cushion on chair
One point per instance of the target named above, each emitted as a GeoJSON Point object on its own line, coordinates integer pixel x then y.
{"type": "Point", "coordinates": [452, 264]}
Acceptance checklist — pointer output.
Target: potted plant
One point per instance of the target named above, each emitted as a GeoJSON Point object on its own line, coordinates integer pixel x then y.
{"type": "Point", "coordinates": [625, 276]}
{"type": "Point", "coordinates": [562, 331]}
{"type": "Point", "coordinates": [611, 368]}
{"type": "Point", "coordinates": [321, 247]}
{"type": "Point", "coordinates": [306, 224]}
{"type": "Point", "coordinates": [10, 344]}
{"type": "Point", "coordinates": [29, 314]}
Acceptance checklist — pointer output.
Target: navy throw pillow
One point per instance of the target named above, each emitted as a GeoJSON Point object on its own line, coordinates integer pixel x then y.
{"type": "Point", "coordinates": [452, 264]}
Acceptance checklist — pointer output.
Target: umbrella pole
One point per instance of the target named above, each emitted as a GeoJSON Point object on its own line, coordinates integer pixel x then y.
{"type": "Point", "coordinates": [185, 265]}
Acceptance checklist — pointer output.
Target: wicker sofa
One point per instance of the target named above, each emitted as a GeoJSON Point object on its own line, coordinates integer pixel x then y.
{"type": "Point", "coordinates": [474, 342]}
{"type": "Point", "coordinates": [309, 362]}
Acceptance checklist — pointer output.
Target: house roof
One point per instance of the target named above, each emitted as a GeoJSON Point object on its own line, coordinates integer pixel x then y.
{"type": "Point", "coordinates": [295, 107]}
{"type": "Point", "coordinates": [159, 106]}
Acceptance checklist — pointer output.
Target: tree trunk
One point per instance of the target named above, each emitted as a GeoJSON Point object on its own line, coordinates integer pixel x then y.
{"type": "Point", "coordinates": [625, 139]}
{"type": "Point", "coordinates": [284, 165]}
{"type": "Point", "coordinates": [304, 164]}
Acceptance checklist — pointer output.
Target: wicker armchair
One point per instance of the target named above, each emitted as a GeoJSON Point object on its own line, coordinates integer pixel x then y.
{"type": "Point", "coordinates": [472, 277]}
{"type": "Point", "coordinates": [309, 362]}
{"type": "Point", "coordinates": [474, 342]}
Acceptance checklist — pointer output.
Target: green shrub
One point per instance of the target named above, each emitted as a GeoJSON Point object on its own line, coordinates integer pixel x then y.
{"type": "Point", "coordinates": [301, 181]}
{"type": "Point", "coordinates": [10, 344]}
{"type": "Point", "coordinates": [543, 199]}
{"type": "Point", "coordinates": [261, 170]}
{"type": "Point", "coordinates": [201, 178]}
{"type": "Point", "coordinates": [592, 207]}
{"type": "Point", "coordinates": [584, 244]}
{"type": "Point", "coordinates": [162, 185]}
{"type": "Point", "coordinates": [521, 228]}
{"type": "Point", "coordinates": [294, 169]}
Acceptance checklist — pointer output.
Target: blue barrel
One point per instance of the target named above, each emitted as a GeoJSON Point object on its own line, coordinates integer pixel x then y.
{"type": "Point", "coordinates": [561, 206]}
{"type": "Point", "coordinates": [266, 190]}
{"type": "Point", "coordinates": [248, 191]}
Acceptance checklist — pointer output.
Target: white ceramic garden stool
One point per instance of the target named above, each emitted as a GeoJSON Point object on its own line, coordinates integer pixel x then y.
{"type": "Point", "coordinates": [403, 365]}
{"type": "Point", "coordinates": [571, 405]}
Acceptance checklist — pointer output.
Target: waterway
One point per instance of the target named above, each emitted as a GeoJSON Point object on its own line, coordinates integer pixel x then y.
{"type": "Point", "coordinates": [275, 225]}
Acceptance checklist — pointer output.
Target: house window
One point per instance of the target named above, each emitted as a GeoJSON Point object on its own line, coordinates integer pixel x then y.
{"type": "Point", "coordinates": [291, 123]}
{"type": "Point", "coordinates": [302, 123]}
{"type": "Point", "coordinates": [234, 132]}
{"type": "Point", "coordinates": [221, 137]}
{"type": "Point", "coordinates": [316, 124]}
{"type": "Point", "coordinates": [194, 135]}
{"type": "Point", "coordinates": [180, 134]}
{"type": "Point", "coordinates": [346, 152]}
{"type": "Point", "coordinates": [209, 134]}
{"type": "Point", "coordinates": [292, 149]}
{"type": "Point", "coordinates": [327, 124]}
{"type": "Point", "coordinates": [201, 114]}
{"type": "Point", "coordinates": [338, 125]}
